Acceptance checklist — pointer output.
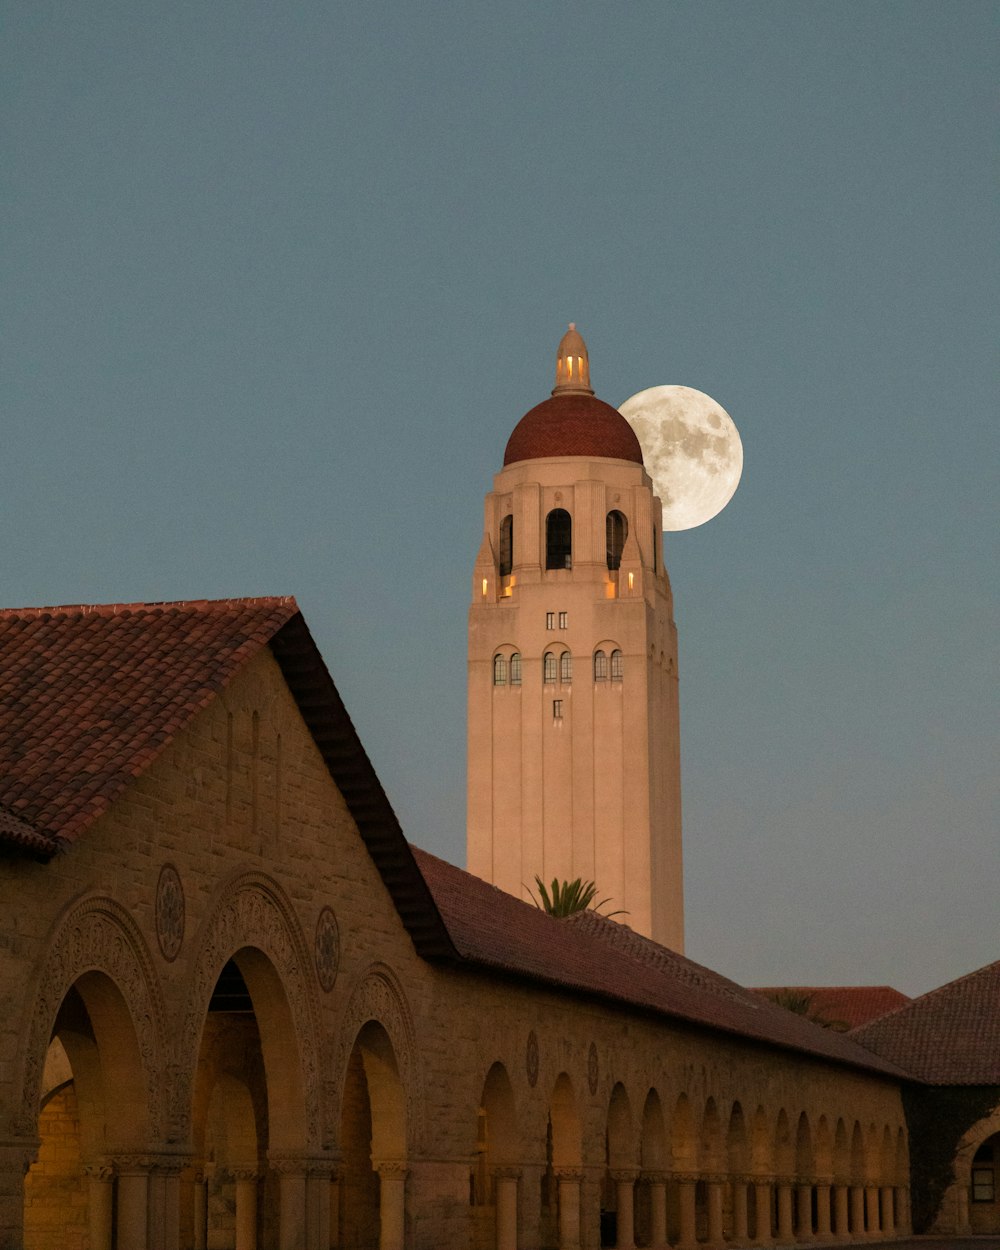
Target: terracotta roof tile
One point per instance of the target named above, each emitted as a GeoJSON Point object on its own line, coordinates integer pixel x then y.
{"type": "Point", "coordinates": [950, 1036]}
{"type": "Point", "coordinates": [573, 425]}
{"type": "Point", "coordinates": [89, 696]}
{"type": "Point", "coordinates": [596, 956]}
{"type": "Point", "coordinates": [853, 1005]}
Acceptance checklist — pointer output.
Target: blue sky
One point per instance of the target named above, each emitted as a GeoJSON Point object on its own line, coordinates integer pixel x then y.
{"type": "Point", "coordinates": [278, 281]}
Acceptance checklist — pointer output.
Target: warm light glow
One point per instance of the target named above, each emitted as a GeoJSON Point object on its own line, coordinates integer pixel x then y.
{"type": "Point", "coordinates": [485, 587]}
{"type": "Point", "coordinates": [631, 581]}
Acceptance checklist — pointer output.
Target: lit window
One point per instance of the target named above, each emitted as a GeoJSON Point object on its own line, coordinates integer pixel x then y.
{"type": "Point", "coordinates": [984, 1186]}
{"type": "Point", "coordinates": [617, 666]}
{"type": "Point", "coordinates": [550, 620]}
{"type": "Point", "coordinates": [600, 666]}
{"type": "Point", "coordinates": [563, 620]}
{"type": "Point", "coordinates": [506, 546]}
{"type": "Point", "coordinates": [616, 531]}
{"type": "Point", "coordinates": [566, 667]}
{"type": "Point", "coordinates": [557, 709]}
{"type": "Point", "coordinates": [515, 669]}
{"type": "Point", "coordinates": [499, 671]}
{"type": "Point", "coordinates": [549, 667]}
{"type": "Point", "coordinates": [558, 540]}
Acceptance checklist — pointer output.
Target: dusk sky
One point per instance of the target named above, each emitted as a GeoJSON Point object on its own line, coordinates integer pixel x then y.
{"type": "Point", "coordinates": [279, 280]}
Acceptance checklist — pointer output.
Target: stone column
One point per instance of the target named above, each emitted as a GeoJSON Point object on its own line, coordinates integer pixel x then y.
{"type": "Point", "coordinates": [688, 1217]}
{"type": "Point", "coordinates": [16, 1156]}
{"type": "Point", "coordinates": [318, 1203]}
{"type": "Point", "coordinates": [199, 1212]}
{"type": "Point", "coordinates": [133, 1202]}
{"type": "Point", "coordinates": [291, 1170]}
{"type": "Point", "coordinates": [505, 1188]}
{"type": "Point", "coordinates": [100, 1199]}
{"type": "Point", "coordinates": [569, 1207]}
{"type": "Point", "coordinates": [841, 1223]}
{"type": "Point", "coordinates": [657, 1182]}
{"type": "Point", "coordinates": [785, 1231]}
{"type": "Point", "coordinates": [857, 1210]}
{"type": "Point", "coordinates": [804, 1221]}
{"type": "Point", "coordinates": [871, 1211]}
{"type": "Point", "coordinates": [902, 1209]}
{"type": "Point", "coordinates": [823, 1229]}
{"type": "Point", "coordinates": [762, 1204]}
{"type": "Point", "coordinates": [888, 1218]}
{"type": "Point", "coordinates": [624, 1179]}
{"type": "Point", "coordinates": [714, 1202]}
{"type": "Point", "coordinates": [334, 1211]}
{"type": "Point", "coordinates": [741, 1222]}
{"type": "Point", "coordinates": [164, 1206]}
{"type": "Point", "coordinates": [392, 1203]}
{"type": "Point", "coordinates": [246, 1208]}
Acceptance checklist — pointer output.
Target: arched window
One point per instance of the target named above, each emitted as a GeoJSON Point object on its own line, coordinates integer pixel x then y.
{"type": "Point", "coordinates": [566, 667]}
{"type": "Point", "coordinates": [558, 540]}
{"type": "Point", "coordinates": [616, 530]}
{"type": "Point", "coordinates": [499, 670]}
{"type": "Point", "coordinates": [506, 545]}
{"type": "Point", "coordinates": [600, 666]}
{"type": "Point", "coordinates": [515, 669]}
{"type": "Point", "coordinates": [549, 667]}
{"type": "Point", "coordinates": [617, 666]}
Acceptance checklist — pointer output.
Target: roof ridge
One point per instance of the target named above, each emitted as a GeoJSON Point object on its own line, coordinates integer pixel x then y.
{"type": "Point", "coordinates": [114, 609]}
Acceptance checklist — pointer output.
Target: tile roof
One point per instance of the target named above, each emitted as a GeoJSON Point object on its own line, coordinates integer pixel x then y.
{"type": "Point", "coordinates": [950, 1036]}
{"type": "Point", "coordinates": [851, 1005]}
{"type": "Point", "coordinates": [572, 425]}
{"type": "Point", "coordinates": [89, 696]}
{"type": "Point", "coordinates": [596, 956]}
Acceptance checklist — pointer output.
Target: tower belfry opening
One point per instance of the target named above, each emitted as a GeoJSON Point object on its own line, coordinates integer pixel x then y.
{"type": "Point", "coordinates": [576, 778]}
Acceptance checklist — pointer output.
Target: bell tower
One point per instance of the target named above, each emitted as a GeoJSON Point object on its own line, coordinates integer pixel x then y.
{"type": "Point", "coordinates": [573, 733]}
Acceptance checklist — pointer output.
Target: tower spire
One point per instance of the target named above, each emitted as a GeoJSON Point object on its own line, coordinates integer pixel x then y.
{"type": "Point", "coordinates": [572, 365]}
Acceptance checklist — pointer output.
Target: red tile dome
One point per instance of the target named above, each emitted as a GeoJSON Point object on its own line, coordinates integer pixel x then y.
{"type": "Point", "coordinates": [573, 424]}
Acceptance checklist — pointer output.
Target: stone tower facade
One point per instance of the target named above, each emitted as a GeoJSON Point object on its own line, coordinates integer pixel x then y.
{"type": "Point", "coordinates": [573, 734]}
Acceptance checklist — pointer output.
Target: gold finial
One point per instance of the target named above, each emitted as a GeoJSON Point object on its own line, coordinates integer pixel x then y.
{"type": "Point", "coordinates": [572, 365]}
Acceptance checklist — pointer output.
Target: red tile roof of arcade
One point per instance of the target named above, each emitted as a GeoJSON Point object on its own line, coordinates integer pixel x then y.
{"type": "Point", "coordinates": [597, 956]}
{"type": "Point", "coordinates": [950, 1036]}
{"type": "Point", "coordinates": [90, 696]}
{"type": "Point", "coordinates": [851, 1005]}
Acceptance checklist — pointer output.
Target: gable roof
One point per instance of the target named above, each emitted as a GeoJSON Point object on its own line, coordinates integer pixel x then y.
{"type": "Point", "coordinates": [850, 1005]}
{"type": "Point", "coordinates": [591, 954]}
{"type": "Point", "coordinates": [90, 696]}
{"type": "Point", "coordinates": [949, 1036]}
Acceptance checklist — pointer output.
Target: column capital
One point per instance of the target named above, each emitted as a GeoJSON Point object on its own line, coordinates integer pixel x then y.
{"type": "Point", "coordinates": [785, 1180]}
{"type": "Point", "coordinates": [295, 1163]}
{"type": "Point", "coordinates": [686, 1178]}
{"type": "Point", "coordinates": [654, 1176]}
{"type": "Point", "coordinates": [244, 1174]}
{"type": "Point", "coordinates": [714, 1178]}
{"type": "Point", "coordinates": [744, 1178]}
{"type": "Point", "coordinates": [99, 1171]}
{"type": "Point", "coordinates": [569, 1174]}
{"type": "Point", "coordinates": [391, 1167]}
{"type": "Point", "coordinates": [507, 1173]}
{"type": "Point", "coordinates": [619, 1175]}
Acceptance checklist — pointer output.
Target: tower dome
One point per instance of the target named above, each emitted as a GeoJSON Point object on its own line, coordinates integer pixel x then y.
{"type": "Point", "coordinates": [573, 421]}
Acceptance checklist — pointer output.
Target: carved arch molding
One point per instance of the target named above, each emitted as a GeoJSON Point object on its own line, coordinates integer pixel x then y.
{"type": "Point", "coordinates": [97, 935]}
{"type": "Point", "coordinates": [378, 996]}
{"type": "Point", "coordinates": [253, 912]}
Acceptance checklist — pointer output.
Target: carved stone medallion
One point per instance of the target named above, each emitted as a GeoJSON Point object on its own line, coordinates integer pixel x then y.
{"type": "Point", "coordinates": [531, 1059]}
{"type": "Point", "coordinates": [593, 1069]}
{"type": "Point", "coordinates": [327, 949]}
{"type": "Point", "coordinates": [169, 912]}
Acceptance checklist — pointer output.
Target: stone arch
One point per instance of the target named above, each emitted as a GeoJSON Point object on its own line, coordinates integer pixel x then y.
{"type": "Point", "coordinates": [971, 1140]}
{"type": "Point", "coordinates": [497, 1101]}
{"type": "Point", "coordinates": [858, 1158]}
{"type": "Point", "coordinates": [710, 1140]}
{"type": "Point", "coordinates": [805, 1165]}
{"type": "Point", "coordinates": [823, 1148]}
{"type": "Point", "coordinates": [887, 1158]}
{"type": "Point", "coordinates": [784, 1147]}
{"type": "Point", "coordinates": [653, 1142]}
{"type": "Point", "coordinates": [737, 1142]}
{"type": "Point", "coordinates": [621, 1138]}
{"type": "Point", "coordinates": [841, 1153]}
{"type": "Point", "coordinates": [902, 1158]}
{"type": "Point", "coordinates": [254, 925]}
{"type": "Point", "coordinates": [683, 1137]}
{"type": "Point", "coordinates": [495, 1170]}
{"type": "Point", "coordinates": [97, 947]}
{"type": "Point", "coordinates": [379, 996]}
{"type": "Point", "coordinates": [761, 1144]}
{"type": "Point", "coordinates": [567, 1130]}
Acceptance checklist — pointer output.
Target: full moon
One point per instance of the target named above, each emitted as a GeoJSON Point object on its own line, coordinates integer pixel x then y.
{"type": "Point", "coordinates": [692, 451]}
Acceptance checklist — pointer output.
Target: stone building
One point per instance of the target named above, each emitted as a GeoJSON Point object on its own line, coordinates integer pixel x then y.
{"type": "Point", "coordinates": [240, 1011]}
